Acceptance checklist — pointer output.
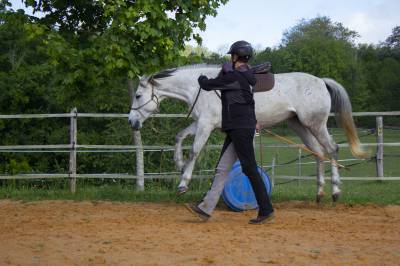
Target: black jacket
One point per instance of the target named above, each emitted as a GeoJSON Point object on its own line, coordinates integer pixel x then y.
{"type": "Point", "coordinates": [236, 95]}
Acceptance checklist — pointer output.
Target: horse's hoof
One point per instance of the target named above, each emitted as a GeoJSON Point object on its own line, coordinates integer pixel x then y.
{"type": "Point", "coordinates": [335, 197]}
{"type": "Point", "coordinates": [319, 197]}
{"type": "Point", "coordinates": [181, 191]}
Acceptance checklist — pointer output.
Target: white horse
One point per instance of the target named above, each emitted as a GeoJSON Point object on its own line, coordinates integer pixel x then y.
{"type": "Point", "coordinates": [305, 101]}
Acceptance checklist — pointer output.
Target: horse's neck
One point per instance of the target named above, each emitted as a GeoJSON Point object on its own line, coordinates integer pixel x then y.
{"type": "Point", "coordinates": [184, 86]}
{"type": "Point", "coordinates": [178, 93]}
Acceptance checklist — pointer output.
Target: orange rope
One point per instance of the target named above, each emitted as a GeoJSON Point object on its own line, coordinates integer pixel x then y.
{"type": "Point", "coordinates": [322, 157]}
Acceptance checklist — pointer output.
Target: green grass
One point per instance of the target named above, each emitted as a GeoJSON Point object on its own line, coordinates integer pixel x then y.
{"type": "Point", "coordinates": [102, 193]}
{"type": "Point", "coordinates": [365, 169]}
{"type": "Point", "coordinates": [354, 192]}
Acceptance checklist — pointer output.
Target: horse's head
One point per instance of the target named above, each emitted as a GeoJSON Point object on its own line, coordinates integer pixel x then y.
{"type": "Point", "coordinates": [146, 99]}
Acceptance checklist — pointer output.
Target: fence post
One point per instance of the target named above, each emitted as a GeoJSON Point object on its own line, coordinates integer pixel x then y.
{"type": "Point", "coordinates": [72, 154]}
{"type": "Point", "coordinates": [139, 160]}
{"type": "Point", "coordinates": [261, 149]}
{"type": "Point", "coordinates": [273, 171]}
{"type": "Point", "coordinates": [299, 167]}
{"type": "Point", "coordinates": [379, 147]}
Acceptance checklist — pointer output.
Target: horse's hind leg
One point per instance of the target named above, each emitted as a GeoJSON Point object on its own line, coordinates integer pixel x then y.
{"type": "Point", "coordinates": [322, 135]}
{"type": "Point", "coordinates": [178, 154]}
{"type": "Point", "coordinates": [311, 142]}
{"type": "Point", "coordinates": [320, 179]}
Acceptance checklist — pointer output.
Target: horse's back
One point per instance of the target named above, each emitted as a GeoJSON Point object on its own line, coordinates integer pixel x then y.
{"type": "Point", "coordinates": [294, 94]}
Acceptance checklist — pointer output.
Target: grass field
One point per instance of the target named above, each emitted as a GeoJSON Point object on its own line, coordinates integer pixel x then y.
{"type": "Point", "coordinates": [364, 169]}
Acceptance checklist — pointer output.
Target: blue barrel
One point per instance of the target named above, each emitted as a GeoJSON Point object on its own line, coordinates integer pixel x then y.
{"type": "Point", "coordinates": [238, 193]}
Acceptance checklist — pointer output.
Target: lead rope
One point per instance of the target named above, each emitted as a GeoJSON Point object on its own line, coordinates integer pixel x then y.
{"type": "Point", "coordinates": [195, 101]}
{"type": "Point", "coordinates": [306, 149]}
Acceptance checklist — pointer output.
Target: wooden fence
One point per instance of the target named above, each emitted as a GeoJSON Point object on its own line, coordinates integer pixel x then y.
{"type": "Point", "coordinates": [73, 147]}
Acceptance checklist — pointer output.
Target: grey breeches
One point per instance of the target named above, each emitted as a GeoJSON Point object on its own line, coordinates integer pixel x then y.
{"type": "Point", "coordinates": [224, 166]}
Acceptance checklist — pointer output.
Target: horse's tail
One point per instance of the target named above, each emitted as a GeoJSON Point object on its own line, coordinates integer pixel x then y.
{"type": "Point", "coordinates": [342, 107]}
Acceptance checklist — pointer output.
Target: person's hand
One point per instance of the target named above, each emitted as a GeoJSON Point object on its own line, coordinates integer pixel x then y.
{"type": "Point", "coordinates": [202, 79]}
{"type": "Point", "coordinates": [258, 128]}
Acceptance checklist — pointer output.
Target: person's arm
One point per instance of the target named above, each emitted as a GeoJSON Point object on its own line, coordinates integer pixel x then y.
{"type": "Point", "coordinates": [252, 79]}
{"type": "Point", "coordinates": [218, 83]}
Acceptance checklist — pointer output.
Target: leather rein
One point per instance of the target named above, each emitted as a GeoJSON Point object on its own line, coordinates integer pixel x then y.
{"type": "Point", "coordinates": [195, 101]}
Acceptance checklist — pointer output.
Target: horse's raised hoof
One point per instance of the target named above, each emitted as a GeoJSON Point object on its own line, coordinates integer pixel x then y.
{"type": "Point", "coordinates": [335, 197]}
{"type": "Point", "coordinates": [181, 191]}
{"type": "Point", "coordinates": [319, 197]}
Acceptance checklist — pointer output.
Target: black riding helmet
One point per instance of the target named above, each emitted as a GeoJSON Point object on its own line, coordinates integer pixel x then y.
{"type": "Point", "coordinates": [242, 49]}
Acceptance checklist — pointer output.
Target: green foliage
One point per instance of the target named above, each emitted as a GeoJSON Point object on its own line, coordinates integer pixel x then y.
{"type": "Point", "coordinates": [4, 4]}
{"type": "Point", "coordinates": [393, 40]}
{"type": "Point", "coordinates": [80, 54]}
{"type": "Point", "coordinates": [382, 67]}
{"type": "Point", "coordinates": [325, 49]}
{"type": "Point", "coordinates": [133, 37]}
{"type": "Point", "coordinates": [15, 166]}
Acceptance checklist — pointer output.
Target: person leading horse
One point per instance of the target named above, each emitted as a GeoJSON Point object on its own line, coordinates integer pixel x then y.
{"type": "Point", "coordinates": [239, 124]}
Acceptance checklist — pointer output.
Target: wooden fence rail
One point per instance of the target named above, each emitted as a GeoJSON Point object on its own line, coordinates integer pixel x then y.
{"type": "Point", "coordinates": [132, 148]}
{"type": "Point", "coordinates": [108, 115]}
{"type": "Point", "coordinates": [73, 148]}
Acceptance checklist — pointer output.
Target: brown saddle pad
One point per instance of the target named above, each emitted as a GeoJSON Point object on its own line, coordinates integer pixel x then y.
{"type": "Point", "coordinates": [265, 82]}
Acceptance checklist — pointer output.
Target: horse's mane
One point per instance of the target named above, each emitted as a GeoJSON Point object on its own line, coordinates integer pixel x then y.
{"type": "Point", "coordinates": [170, 72]}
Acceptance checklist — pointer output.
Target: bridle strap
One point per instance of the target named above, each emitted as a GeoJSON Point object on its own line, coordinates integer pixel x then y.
{"type": "Point", "coordinates": [153, 96]}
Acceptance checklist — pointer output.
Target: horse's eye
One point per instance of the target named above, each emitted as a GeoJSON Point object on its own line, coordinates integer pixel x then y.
{"type": "Point", "coordinates": [138, 96]}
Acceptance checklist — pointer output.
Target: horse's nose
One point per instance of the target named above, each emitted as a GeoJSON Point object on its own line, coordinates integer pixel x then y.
{"type": "Point", "coordinates": [135, 124]}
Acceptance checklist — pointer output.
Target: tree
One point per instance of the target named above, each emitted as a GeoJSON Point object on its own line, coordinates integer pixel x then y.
{"type": "Point", "coordinates": [4, 4]}
{"type": "Point", "coordinates": [80, 54]}
{"type": "Point", "coordinates": [325, 49]}
{"type": "Point", "coordinates": [393, 40]}
{"type": "Point", "coordinates": [133, 37]}
{"type": "Point", "coordinates": [94, 46]}
{"type": "Point", "coordinates": [277, 56]}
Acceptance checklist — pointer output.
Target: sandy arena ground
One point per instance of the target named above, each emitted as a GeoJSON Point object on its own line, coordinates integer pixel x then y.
{"type": "Point", "coordinates": [103, 233]}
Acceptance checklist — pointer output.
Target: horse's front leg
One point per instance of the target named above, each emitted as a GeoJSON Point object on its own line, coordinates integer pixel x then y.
{"type": "Point", "coordinates": [178, 154]}
{"type": "Point", "coordinates": [202, 134]}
